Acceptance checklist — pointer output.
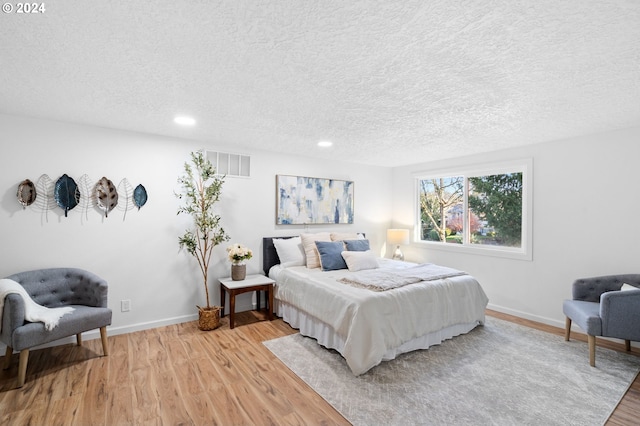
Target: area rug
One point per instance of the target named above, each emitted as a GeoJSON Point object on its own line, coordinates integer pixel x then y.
{"type": "Point", "coordinates": [498, 374]}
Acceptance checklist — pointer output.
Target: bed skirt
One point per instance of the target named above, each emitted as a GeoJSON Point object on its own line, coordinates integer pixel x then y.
{"type": "Point", "coordinates": [325, 335]}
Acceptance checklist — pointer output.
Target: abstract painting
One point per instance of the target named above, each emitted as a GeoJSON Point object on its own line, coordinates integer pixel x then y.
{"type": "Point", "coordinates": [305, 200]}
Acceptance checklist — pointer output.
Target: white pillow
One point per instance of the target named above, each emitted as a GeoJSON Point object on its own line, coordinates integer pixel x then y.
{"type": "Point", "coordinates": [627, 287]}
{"type": "Point", "coordinates": [310, 250]}
{"type": "Point", "coordinates": [289, 251]}
{"type": "Point", "coordinates": [359, 260]}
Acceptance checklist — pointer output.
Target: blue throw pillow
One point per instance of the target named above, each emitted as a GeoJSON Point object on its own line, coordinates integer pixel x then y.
{"type": "Point", "coordinates": [357, 245]}
{"type": "Point", "coordinates": [331, 255]}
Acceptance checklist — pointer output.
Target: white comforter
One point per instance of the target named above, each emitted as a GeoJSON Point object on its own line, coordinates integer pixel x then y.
{"type": "Point", "coordinates": [373, 322]}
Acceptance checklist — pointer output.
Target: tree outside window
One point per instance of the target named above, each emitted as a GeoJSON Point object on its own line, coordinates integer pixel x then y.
{"type": "Point", "coordinates": [440, 199]}
{"type": "Point", "coordinates": [497, 201]}
{"type": "Point", "coordinates": [488, 212]}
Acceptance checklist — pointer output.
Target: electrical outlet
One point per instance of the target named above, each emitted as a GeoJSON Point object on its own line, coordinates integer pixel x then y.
{"type": "Point", "coordinates": [125, 305]}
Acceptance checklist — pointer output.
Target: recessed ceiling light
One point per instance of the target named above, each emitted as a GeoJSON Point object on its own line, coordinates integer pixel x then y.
{"type": "Point", "coordinates": [184, 120]}
{"type": "Point", "coordinates": [325, 144]}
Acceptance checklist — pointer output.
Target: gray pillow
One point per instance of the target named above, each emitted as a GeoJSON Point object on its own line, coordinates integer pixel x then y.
{"type": "Point", "coordinates": [331, 255]}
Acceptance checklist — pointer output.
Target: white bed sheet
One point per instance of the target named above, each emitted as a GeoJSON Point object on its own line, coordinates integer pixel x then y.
{"type": "Point", "coordinates": [367, 327]}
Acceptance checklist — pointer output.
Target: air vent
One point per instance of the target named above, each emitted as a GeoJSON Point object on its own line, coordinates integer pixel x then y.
{"type": "Point", "coordinates": [232, 165]}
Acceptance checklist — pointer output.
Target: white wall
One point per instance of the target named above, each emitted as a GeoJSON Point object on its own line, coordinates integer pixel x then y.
{"type": "Point", "coordinates": [585, 205]}
{"type": "Point", "coordinates": [139, 256]}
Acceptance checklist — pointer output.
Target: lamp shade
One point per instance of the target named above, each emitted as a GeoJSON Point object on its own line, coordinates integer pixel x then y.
{"type": "Point", "coordinates": [398, 236]}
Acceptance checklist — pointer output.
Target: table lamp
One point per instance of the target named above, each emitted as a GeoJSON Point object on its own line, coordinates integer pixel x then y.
{"type": "Point", "coordinates": [397, 237]}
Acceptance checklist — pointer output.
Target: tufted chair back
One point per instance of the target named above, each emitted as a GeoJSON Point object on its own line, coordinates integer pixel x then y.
{"type": "Point", "coordinates": [55, 287]}
{"type": "Point", "coordinates": [590, 289]}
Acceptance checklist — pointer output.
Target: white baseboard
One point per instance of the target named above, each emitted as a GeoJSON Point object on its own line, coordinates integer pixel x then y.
{"type": "Point", "coordinates": [551, 322]}
{"type": "Point", "coordinates": [520, 314]}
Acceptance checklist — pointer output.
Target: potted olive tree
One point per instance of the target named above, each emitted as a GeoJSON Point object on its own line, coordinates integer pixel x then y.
{"type": "Point", "coordinates": [200, 190]}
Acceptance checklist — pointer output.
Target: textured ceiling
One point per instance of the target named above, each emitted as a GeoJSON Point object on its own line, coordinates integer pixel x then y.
{"type": "Point", "coordinates": [389, 82]}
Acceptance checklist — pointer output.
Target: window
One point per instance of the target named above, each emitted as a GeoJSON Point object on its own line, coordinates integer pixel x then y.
{"type": "Point", "coordinates": [484, 210]}
{"type": "Point", "coordinates": [441, 200]}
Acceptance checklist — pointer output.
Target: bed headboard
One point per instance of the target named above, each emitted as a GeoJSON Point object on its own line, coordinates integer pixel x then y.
{"type": "Point", "coordinates": [269, 254]}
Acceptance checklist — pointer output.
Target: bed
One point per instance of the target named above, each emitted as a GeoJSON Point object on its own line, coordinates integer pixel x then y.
{"type": "Point", "coordinates": [367, 327]}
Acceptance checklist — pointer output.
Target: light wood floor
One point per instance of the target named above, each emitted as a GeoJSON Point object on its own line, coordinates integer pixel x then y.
{"type": "Point", "coordinates": [181, 375]}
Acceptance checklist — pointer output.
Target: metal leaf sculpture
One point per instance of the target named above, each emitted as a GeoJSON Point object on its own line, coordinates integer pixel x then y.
{"type": "Point", "coordinates": [26, 193]}
{"type": "Point", "coordinates": [106, 195]}
{"type": "Point", "coordinates": [66, 193]}
{"type": "Point", "coordinates": [125, 196]}
{"type": "Point", "coordinates": [45, 200]}
{"type": "Point", "coordinates": [140, 196]}
{"type": "Point", "coordinates": [85, 184]}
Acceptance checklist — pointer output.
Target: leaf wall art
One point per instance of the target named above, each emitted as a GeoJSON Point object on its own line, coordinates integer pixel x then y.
{"type": "Point", "coordinates": [67, 194]}
{"type": "Point", "coordinates": [140, 196]}
{"type": "Point", "coordinates": [106, 195]}
{"type": "Point", "coordinates": [44, 199]}
{"type": "Point", "coordinates": [125, 194]}
{"type": "Point", "coordinates": [26, 193]}
{"type": "Point", "coordinates": [85, 184]}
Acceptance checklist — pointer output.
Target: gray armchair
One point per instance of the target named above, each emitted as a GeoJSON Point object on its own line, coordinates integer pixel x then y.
{"type": "Point", "coordinates": [55, 287]}
{"type": "Point", "coordinates": [600, 309]}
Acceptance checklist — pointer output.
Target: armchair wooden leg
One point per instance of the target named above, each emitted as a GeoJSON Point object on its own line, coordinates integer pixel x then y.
{"type": "Point", "coordinates": [567, 329]}
{"type": "Point", "coordinates": [627, 345]}
{"type": "Point", "coordinates": [592, 350]}
{"type": "Point", "coordinates": [22, 367]}
{"type": "Point", "coordinates": [7, 358]}
{"type": "Point", "coordinates": [105, 343]}
{"type": "Point", "coordinates": [79, 339]}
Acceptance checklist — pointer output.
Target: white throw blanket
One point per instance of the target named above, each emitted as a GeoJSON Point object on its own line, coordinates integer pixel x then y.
{"type": "Point", "coordinates": [381, 280]}
{"type": "Point", "coordinates": [32, 312]}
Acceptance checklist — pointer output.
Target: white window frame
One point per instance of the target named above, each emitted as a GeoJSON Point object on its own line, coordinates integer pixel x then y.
{"type": "Point", "coordinates": [525, 251]}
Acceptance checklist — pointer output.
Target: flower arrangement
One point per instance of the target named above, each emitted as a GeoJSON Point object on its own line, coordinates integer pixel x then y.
{"type": "Point", "coordinates": [238, 253]}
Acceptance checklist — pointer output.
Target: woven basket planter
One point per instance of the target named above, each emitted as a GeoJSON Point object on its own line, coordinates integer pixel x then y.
{"type": "Point", "coordinates": [209, 318]}
{"type": "Point", "coordinates": [238, 272]}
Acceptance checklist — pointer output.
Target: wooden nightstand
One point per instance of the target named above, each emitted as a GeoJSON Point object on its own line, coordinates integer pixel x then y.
{"type": "Point", "coordinates": [250, 283]}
